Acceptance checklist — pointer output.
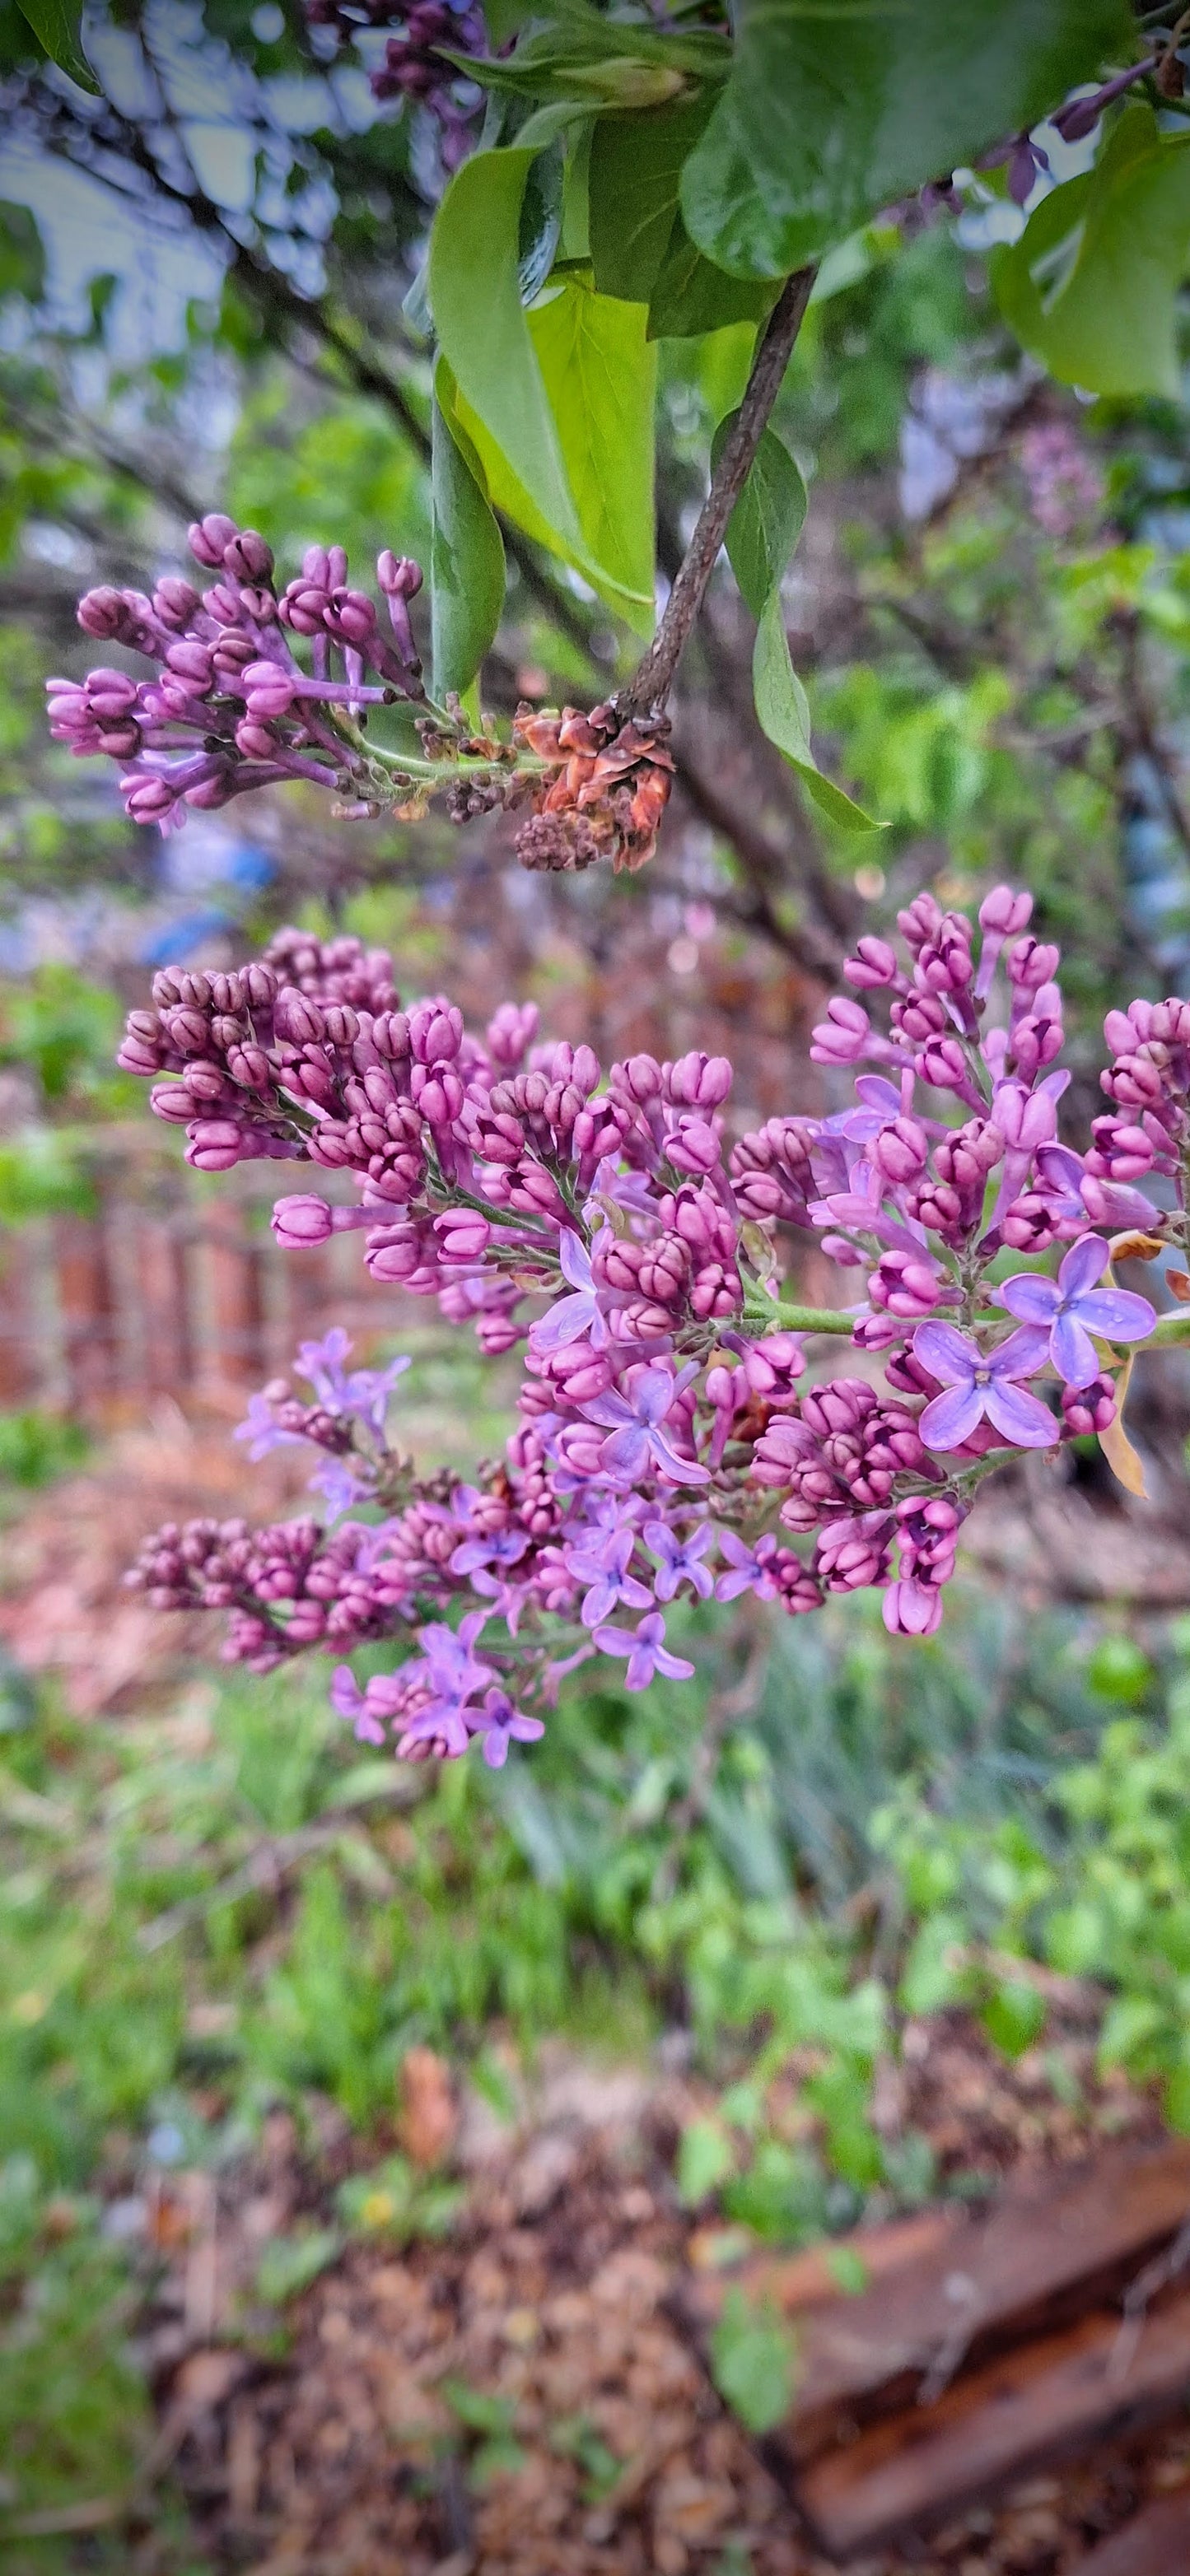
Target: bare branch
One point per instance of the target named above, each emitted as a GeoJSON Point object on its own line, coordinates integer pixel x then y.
{"type": "Point", "coordinates": [652, 680]}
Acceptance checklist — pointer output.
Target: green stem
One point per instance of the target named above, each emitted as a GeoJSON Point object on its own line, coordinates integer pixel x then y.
{"type": "Point", "coordinates": [777, 1318]}
{"type": "Point", "coordinates": [1171, 1332]}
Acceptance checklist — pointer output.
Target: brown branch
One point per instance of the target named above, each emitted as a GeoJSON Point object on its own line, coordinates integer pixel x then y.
{"type": "Point", "coordinates": [764, 871]}
{"type": "Point", "coordinates": [652, 680]}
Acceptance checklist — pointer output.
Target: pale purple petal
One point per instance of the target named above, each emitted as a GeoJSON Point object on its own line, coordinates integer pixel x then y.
{"type": "Point", "coordinates": [565, 1322]}
{"type": "Point", "coordinates": [652, 1395]}
{"type": "Point", "coordinates": [626, 1453]}
{"type": "Point", "coordinates": [575, 1261]}
{"type": "Point", "coordinates": [684, 1471]}
{"type": "Point", "coordinates": [1073, 1352]}
{"type": "Point", "coordinates": [948, 1355]}
{"type": "Point", "coordinates": [1031, 1296]}
{"type": "Point", "coordinates": [1117, 1313]}
{"type": "Point", "coordinates": [473, 1552]}
{"type": "Point", "coordinates": [1085, 1262]}
{"type": "Point", "coordinates": [951, 1418]}
{"type": "Point", "coordinates": [674, 1667]}
{"type": "Point", "coordinates": [610, 1409]}
{"type": "Point", "coordinates": [1020, 1417]}
{"type": "Point", "coordinates": [1024, 1352]}
{"type": "Point", "coordinates": [615, 1641]}
{"type": "Point", "coordinates": [346, 1697]}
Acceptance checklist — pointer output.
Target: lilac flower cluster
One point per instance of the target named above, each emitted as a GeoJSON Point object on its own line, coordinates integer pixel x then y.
{"type": "Point", "coordinates": [230, 708]}
{"type": "Point", "coordinates": [417, 64]}
{"type": "Point", "coordinates": [664, 1448]}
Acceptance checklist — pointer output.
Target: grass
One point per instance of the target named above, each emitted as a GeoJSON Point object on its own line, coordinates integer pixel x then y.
{"type": "Point", "coordinates": [214, 1906]}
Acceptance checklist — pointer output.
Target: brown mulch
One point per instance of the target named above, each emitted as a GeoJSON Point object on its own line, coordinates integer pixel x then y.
{"type": "Point", "coordinates": [343, 2456]}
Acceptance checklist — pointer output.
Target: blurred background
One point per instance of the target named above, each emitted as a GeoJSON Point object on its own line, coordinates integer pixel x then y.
{"type": "Point", "coordinates": [227, 1951]}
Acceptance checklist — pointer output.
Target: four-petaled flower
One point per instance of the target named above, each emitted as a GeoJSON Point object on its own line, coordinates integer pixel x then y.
{"type": "Point", "coordinates": [450, 1673]}
{"type": "Point", "coordinates": [569, 1318]}
{"type": "Point", "coordinates": [646, 1650]}
{"type": "Point", "coordinates": [680, 1559]}
{"type": "Point", "coordinates": [1070, 1308]}
{"type": "Point", "coordinates": [500, 1725]}
{"type": "Point", "coordinates": [633, 1414]}
{"type": "Point", "coordinates": [495, 1547]}
{"type": "Point", "coordinates": [983, 1385]}
{"type": "Point", "coordinates": [748, 1567]}
{"type": "Point", "coordinates": [366, 1709]}
{"type": "Point", "coordinates": [364, 1392]}
{"type": "Point", "coordinates": [602, 1563]}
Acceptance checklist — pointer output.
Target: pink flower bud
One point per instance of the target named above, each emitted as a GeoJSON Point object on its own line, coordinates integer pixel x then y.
{"type": "Point", "coordinates": [874, 964]}
{"type": "Point", "coordinates": [247, 558]}
{"type": "Point", "coordinates": [1005, 912]}
{"type": "Point", "coordinates": [215, 1144]}
{"type": "Point", "coordinates": [698, 1081]}
{"type": "Point", "coordinates": [640, 1077]}
{"type": "Point", "coordinates": [845, 1035]}
{"type": "Point", "coordinates": [209, 537]}
{"type": "Point", "coordinates": [399, 578]}
{"type": "Point", "coordinates": [300, 1221]}
{"type": "Point", "coordinates": [1029, 963]}
{"type": "Point", "coordinates": [463, 1233]}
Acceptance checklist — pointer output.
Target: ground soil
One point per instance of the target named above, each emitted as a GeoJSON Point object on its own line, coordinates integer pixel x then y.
{"type": "Point", "coordinates": [344, 2456]}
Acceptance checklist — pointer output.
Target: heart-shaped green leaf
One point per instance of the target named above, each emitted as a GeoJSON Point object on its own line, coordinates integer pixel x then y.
{"type": "Point", "coordinates": [1092, 284]}
{"type": "Point", "coordinates": [466, 554]}
{"type": "Point", "coordinates": [56, 24]}
{"type": "Point", "coordinates": [835, 108]}
{"type": "Point", "coordinates": [784, 715]}
{"type": "Point", "coordinates": [767, 520]}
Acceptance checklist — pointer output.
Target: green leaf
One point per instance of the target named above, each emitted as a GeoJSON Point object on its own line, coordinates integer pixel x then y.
{"type": "Point", "coordinates": [784, 716]}
{"type": "Point", "coordinates": [933, 1976]}
{"type": "Point", "coordinates": [56, 26]}
{"type": "Point", "coordinates": [640, 247]}
{"type": "Point", "coordinates": [608, 63]}
{"type": "Point", "coordinates": [1091, 286]}
{"type": "Point", "coordinates": [289, 2263]}
{"type": "Point", "coordinates": [767, 520]}
{"type": "Point", "coordinates": [636, 165]}
{"type": "Point", "coordinates": [558, 403]}
{"type": "Point", "coordinates": [692, 295]}
{"type": "Point", "coordinates": [22, 258]}
{"type": "Point", "coordinates": [466, 555]}
{"type": "Point", "coordinates": [475, 294]}
{"type": "Point", "coordinates": [753, 2362]}
{"type": "Point", "coordinates": [1013, 2016]}
{"type": "Point", "coordinates": [705, 2158]}
{"type": "Point", "coordinates": [600, 376]}
{"type": "Point", "coordinates": [834, 109]}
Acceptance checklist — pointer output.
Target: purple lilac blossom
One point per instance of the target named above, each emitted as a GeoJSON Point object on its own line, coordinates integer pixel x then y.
{"type": "Point", "coordinates": [983, 1386]}
{"type": "Point", "coordinates": [491, 1169]}
{"type": "Point", "coordinates": [646, 1650]}
{"type": "Point", "coordinates": [680, 1559]}
{"type": "Point", "coordinates": [1071, 1308]}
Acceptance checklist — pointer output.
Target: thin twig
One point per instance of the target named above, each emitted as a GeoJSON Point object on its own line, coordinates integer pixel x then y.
{"type": "Point", "coordinates": [652, 680]}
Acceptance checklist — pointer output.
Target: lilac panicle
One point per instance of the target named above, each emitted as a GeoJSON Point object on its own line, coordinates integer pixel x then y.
{"type": "Point", "coordinates": [673, 1439]}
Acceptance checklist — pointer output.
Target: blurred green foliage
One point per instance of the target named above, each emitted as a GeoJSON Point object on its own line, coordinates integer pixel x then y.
{"type": "Point", "coordinates": [983, 1795]}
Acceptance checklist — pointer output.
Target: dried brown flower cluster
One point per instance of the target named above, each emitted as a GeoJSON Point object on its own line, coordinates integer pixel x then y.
{"type": "Point", "coordinates": [609, 790]}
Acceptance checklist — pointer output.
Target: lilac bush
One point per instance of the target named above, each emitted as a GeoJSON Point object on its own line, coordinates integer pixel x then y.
{"type": "Point", "coordinates": [673, 1439]}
